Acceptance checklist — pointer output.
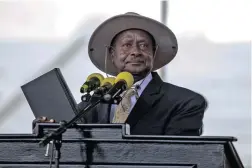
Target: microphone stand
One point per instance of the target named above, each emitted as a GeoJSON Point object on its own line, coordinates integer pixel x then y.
{"type": "Point", "coordinates": [58, 144]}
{"type": "Point", "coordinates": [56, 135]}
{"type": "Point", "coordinates": [63, 127]}
{"type": "Point", "coordinates": [86, 97]}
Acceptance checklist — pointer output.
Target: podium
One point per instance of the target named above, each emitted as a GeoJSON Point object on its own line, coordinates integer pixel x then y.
{"type": "Point", "coordinates": [112, 146]}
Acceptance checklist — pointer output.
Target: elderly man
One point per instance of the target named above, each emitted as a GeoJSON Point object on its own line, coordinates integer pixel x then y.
{"type": "Point", "coordinates": [140, 45]}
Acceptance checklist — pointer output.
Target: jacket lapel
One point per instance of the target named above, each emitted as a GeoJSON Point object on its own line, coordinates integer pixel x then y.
{"type": "Point", "coordinates": [147, 100]}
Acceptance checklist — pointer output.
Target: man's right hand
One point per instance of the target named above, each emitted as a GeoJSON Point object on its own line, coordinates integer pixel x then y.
{"type": "Point", "coordinates": [42, 120]}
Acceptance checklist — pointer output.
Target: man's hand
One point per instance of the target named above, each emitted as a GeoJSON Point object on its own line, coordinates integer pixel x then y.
{"type": "Point", "coordinates": [42, 120]}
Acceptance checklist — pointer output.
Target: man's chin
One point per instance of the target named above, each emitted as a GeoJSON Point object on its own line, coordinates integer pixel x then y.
{"type": "Point", "coordinates": [138, 71]}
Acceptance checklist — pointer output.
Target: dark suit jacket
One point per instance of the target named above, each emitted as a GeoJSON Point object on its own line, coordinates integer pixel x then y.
{"type": "Point", "coordinates": [162, 109]}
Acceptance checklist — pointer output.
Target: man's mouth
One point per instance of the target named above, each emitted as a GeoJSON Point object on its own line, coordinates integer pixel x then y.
{"type": "Point", "coordinates": [135, 62]}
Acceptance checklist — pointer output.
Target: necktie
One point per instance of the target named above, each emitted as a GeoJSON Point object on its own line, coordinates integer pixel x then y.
{"type": "Point", "coordinates": [123, 108]}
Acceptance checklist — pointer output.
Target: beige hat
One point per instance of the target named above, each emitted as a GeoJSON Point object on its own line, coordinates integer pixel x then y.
{"type": "Point", "coordinates": [103, 35]}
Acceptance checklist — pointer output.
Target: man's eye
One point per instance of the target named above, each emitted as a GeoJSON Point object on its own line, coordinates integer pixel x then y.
{"type": "Point", "coordinates": [143, 46]}
{"type": "Point", "coordinates": [127, 45]}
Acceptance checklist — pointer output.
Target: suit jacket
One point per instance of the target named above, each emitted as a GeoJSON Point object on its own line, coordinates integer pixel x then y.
{"type": "Point", "coordinates": [162, 109]}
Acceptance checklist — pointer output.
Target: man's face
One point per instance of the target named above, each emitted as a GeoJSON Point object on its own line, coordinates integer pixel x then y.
{"type": "Point", "coordinates": [133, 52]}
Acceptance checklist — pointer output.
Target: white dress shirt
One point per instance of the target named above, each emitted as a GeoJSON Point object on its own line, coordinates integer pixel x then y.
{"type": "Point", "coordinates": [142, 83]}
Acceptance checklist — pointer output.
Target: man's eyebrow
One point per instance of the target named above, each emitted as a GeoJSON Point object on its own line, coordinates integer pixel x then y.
{"type": "Point", "coordinates": [143, 40]}
{"type": "Point", "coordinates": [126, 39]}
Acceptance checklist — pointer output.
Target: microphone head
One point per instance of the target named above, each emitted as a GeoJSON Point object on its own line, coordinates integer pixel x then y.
{"type": "Point", "coordinates": [127, 77]}
{"type": "Point", "coordinates": [96, 75]}
{"type": "Point", "coordinates": [108, 80]}
{"type": "Point", "coordinates": [96, 79]}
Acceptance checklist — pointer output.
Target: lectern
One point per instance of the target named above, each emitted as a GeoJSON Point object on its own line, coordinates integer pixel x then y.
{"type": "Point", "coordinates": [112, 146]}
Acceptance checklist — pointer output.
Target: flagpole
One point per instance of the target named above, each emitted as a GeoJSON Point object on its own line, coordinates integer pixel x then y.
{"type": "Point", "coordinates": [164, 16]}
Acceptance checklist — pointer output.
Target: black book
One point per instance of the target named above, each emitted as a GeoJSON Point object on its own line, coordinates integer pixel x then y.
{"type": "Point", "coordinates": [49, 95]}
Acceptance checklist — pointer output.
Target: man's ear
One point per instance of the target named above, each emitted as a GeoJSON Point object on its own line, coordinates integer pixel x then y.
{"type": "Point", "coordinates": [112, 54]}
{"type": "Point", "coordinates": [112, 59]}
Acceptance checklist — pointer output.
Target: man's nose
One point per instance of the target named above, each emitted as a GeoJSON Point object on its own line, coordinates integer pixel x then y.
{"type": "Point", "coordinates": [135, 51]}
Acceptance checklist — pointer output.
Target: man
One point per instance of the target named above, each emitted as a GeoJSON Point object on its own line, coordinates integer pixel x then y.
{"type": "Point", "coordinates": [140, 45]}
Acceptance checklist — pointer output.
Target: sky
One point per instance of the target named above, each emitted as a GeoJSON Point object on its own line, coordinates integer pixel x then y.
{"type": "Point", "coordinates": [218, 20]}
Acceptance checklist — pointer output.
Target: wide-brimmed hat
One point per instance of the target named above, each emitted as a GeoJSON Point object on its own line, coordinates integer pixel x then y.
{"type": "Point", "coordinates": [101, 38]}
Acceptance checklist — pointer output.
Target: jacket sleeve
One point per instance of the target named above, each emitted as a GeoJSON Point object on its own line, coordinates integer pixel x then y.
{"type": "Point", "coordinates": [187, 118]}
{"type": "Point", "coordinates": [90, 116]}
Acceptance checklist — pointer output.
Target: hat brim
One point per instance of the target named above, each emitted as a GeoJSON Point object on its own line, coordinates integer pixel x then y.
{"type": "Point", "coordinates": [103, 35]}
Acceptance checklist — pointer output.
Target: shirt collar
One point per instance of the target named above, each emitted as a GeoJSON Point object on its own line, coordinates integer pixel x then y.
{"type": "Point", "coordinates": [141, 85]}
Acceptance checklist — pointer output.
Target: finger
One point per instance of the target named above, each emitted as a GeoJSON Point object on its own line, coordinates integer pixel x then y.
{"type": "Point", "coordinates": [43, 118]}
{"type": "Point", "coordinates": [34, 122]}
{"type": "Point", "coordinates": [51, 120]}
{"type": "Point", "coordinates": [38, 120]}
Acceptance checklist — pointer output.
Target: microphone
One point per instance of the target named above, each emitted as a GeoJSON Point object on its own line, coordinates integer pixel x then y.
{"type": "Point", "coordinates": [93, 81]}
{"type": "Point", "coordinates": [106, 85]}
{"type": "Point", "coordinates": [123, 81]}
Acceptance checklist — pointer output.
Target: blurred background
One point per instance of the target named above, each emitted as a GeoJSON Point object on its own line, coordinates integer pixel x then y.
{"type": "Point", "coordinates": [214, 57]}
